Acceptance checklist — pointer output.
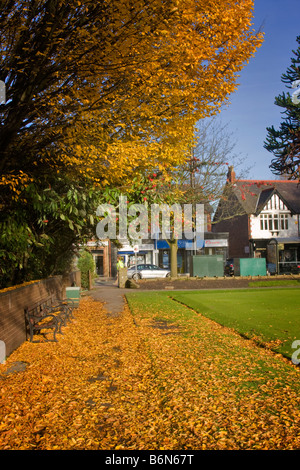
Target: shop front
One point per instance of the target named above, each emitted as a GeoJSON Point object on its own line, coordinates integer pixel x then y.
{"type": "Point", "coordinates": [284, 253]}
{"type": "Point", "coordinates": [183, 253]}
{"type": "Point", "coordinates": [144, 255]}
{"type": "Point", "coordinates": [100, 253]}
{"type": "Point", "coordinates": [212, 244]}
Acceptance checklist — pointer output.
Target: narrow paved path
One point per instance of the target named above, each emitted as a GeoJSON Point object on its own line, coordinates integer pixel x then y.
{"type": "Point", "coordinates": [105, 290]}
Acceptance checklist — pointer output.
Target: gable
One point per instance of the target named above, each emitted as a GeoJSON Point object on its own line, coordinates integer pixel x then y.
{"type": "Point", "coordinates": [270, 200]}
{"type": "Point", "coordinates": [255, 196]}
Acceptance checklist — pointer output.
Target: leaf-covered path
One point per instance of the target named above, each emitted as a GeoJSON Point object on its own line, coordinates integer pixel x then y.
{"type": "Point", "coordinates": [143, 382]}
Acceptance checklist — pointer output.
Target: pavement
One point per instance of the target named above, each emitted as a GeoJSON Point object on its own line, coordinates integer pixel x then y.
{"type": "Point", "coordinates": [105, 290]}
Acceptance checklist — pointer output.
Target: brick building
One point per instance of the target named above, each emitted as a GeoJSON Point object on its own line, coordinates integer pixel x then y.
{"type": "Point", "coordinates": [262, 219]}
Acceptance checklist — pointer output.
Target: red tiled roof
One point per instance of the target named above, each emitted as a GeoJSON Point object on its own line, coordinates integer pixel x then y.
{"type": "Point", "coordinates": [269, 181]}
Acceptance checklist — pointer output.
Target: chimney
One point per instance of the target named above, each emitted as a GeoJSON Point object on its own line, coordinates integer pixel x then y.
{"type": "Point", "coordinates": [231, 175]}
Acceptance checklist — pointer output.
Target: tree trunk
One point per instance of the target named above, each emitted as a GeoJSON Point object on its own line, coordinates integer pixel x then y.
{"type": "Point", "coordinates": [173, 256]}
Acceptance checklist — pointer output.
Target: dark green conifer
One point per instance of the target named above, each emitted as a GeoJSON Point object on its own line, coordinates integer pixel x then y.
{"type": "Point", "coordinates": [284, 143]}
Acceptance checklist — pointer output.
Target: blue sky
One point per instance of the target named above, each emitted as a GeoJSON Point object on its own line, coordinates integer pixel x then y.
{"type": "Point", "coordinates": [252, 107]}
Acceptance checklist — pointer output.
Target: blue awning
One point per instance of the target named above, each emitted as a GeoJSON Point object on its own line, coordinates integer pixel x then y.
{"type": "Point", "coordinates": [186, 244]}
{"type": "Point", "coordinates": [131, 253]}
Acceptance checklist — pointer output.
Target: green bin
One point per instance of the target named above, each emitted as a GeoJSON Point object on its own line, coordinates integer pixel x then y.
{"type": "Point", "coordinates": [73, 293]}
{"type": "Point", "coordinates": [250, 267]}
{"type": "Point", "coordinates": [207, 266]}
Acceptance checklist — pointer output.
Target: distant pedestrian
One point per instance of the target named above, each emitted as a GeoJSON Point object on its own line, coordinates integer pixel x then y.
{"type": "Point", "coordinates": [120, 264]}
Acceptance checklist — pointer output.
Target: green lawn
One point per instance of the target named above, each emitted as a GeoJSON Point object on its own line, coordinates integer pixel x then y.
{"type": "Point", "coordinates": [268, 315]}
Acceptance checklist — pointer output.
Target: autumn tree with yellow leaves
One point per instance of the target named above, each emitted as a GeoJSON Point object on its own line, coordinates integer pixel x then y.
{"type": "Point", "coordinates": [97, 92]}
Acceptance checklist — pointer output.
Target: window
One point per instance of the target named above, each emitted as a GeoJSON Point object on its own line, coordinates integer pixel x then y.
{"type": "Point", "coordinates": [274, 222]}
{"type": "Point", "coordinates": [275, 203]}
{"type": "Point", "coordinates": [284, 222]}
{"type": "Point", "coordinates": [266, 222]}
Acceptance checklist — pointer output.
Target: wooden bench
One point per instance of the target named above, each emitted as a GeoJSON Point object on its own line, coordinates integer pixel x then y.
{"type": "Point", "coordinates": [49, 314]}
{"type": "Point", "coordinates": [62, 308]}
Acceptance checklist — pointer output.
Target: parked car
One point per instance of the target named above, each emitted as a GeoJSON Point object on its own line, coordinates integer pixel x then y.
{"type": "Point", "coordinates": [229, 267]}
{"type": "Point", "coordinates": [146, 271]}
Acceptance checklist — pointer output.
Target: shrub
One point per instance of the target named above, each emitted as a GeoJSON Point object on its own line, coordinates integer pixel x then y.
{"type": "Point", "coordinates": [85, 264]}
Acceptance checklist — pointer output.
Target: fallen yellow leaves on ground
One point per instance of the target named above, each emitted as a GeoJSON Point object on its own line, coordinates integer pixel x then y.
{"type": "Point", "coordinates": [24, 284]}
{"type": "Point", "coordinates": [124, 382]}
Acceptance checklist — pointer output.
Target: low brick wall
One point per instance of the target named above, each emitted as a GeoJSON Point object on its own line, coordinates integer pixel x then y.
{"type": "Point", "coordinates": [13, 303]}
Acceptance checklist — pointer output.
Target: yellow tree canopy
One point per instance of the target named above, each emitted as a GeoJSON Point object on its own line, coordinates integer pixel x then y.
{"type": "Point", "coordinates": [107, 89]}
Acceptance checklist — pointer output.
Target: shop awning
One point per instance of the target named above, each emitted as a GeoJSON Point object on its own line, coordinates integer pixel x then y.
{"type": "Point", "coordinates": [163, 244]}
{"type": "Point", "coordinates": [284, 240]}
{"type": "Point", "coordinates": [121, 252]}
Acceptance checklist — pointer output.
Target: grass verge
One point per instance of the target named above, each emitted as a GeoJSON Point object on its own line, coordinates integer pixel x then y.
{"type": "Point", "coordinates": [232, 394]}
{"type": "Point", "coordinates": [269, 316]}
